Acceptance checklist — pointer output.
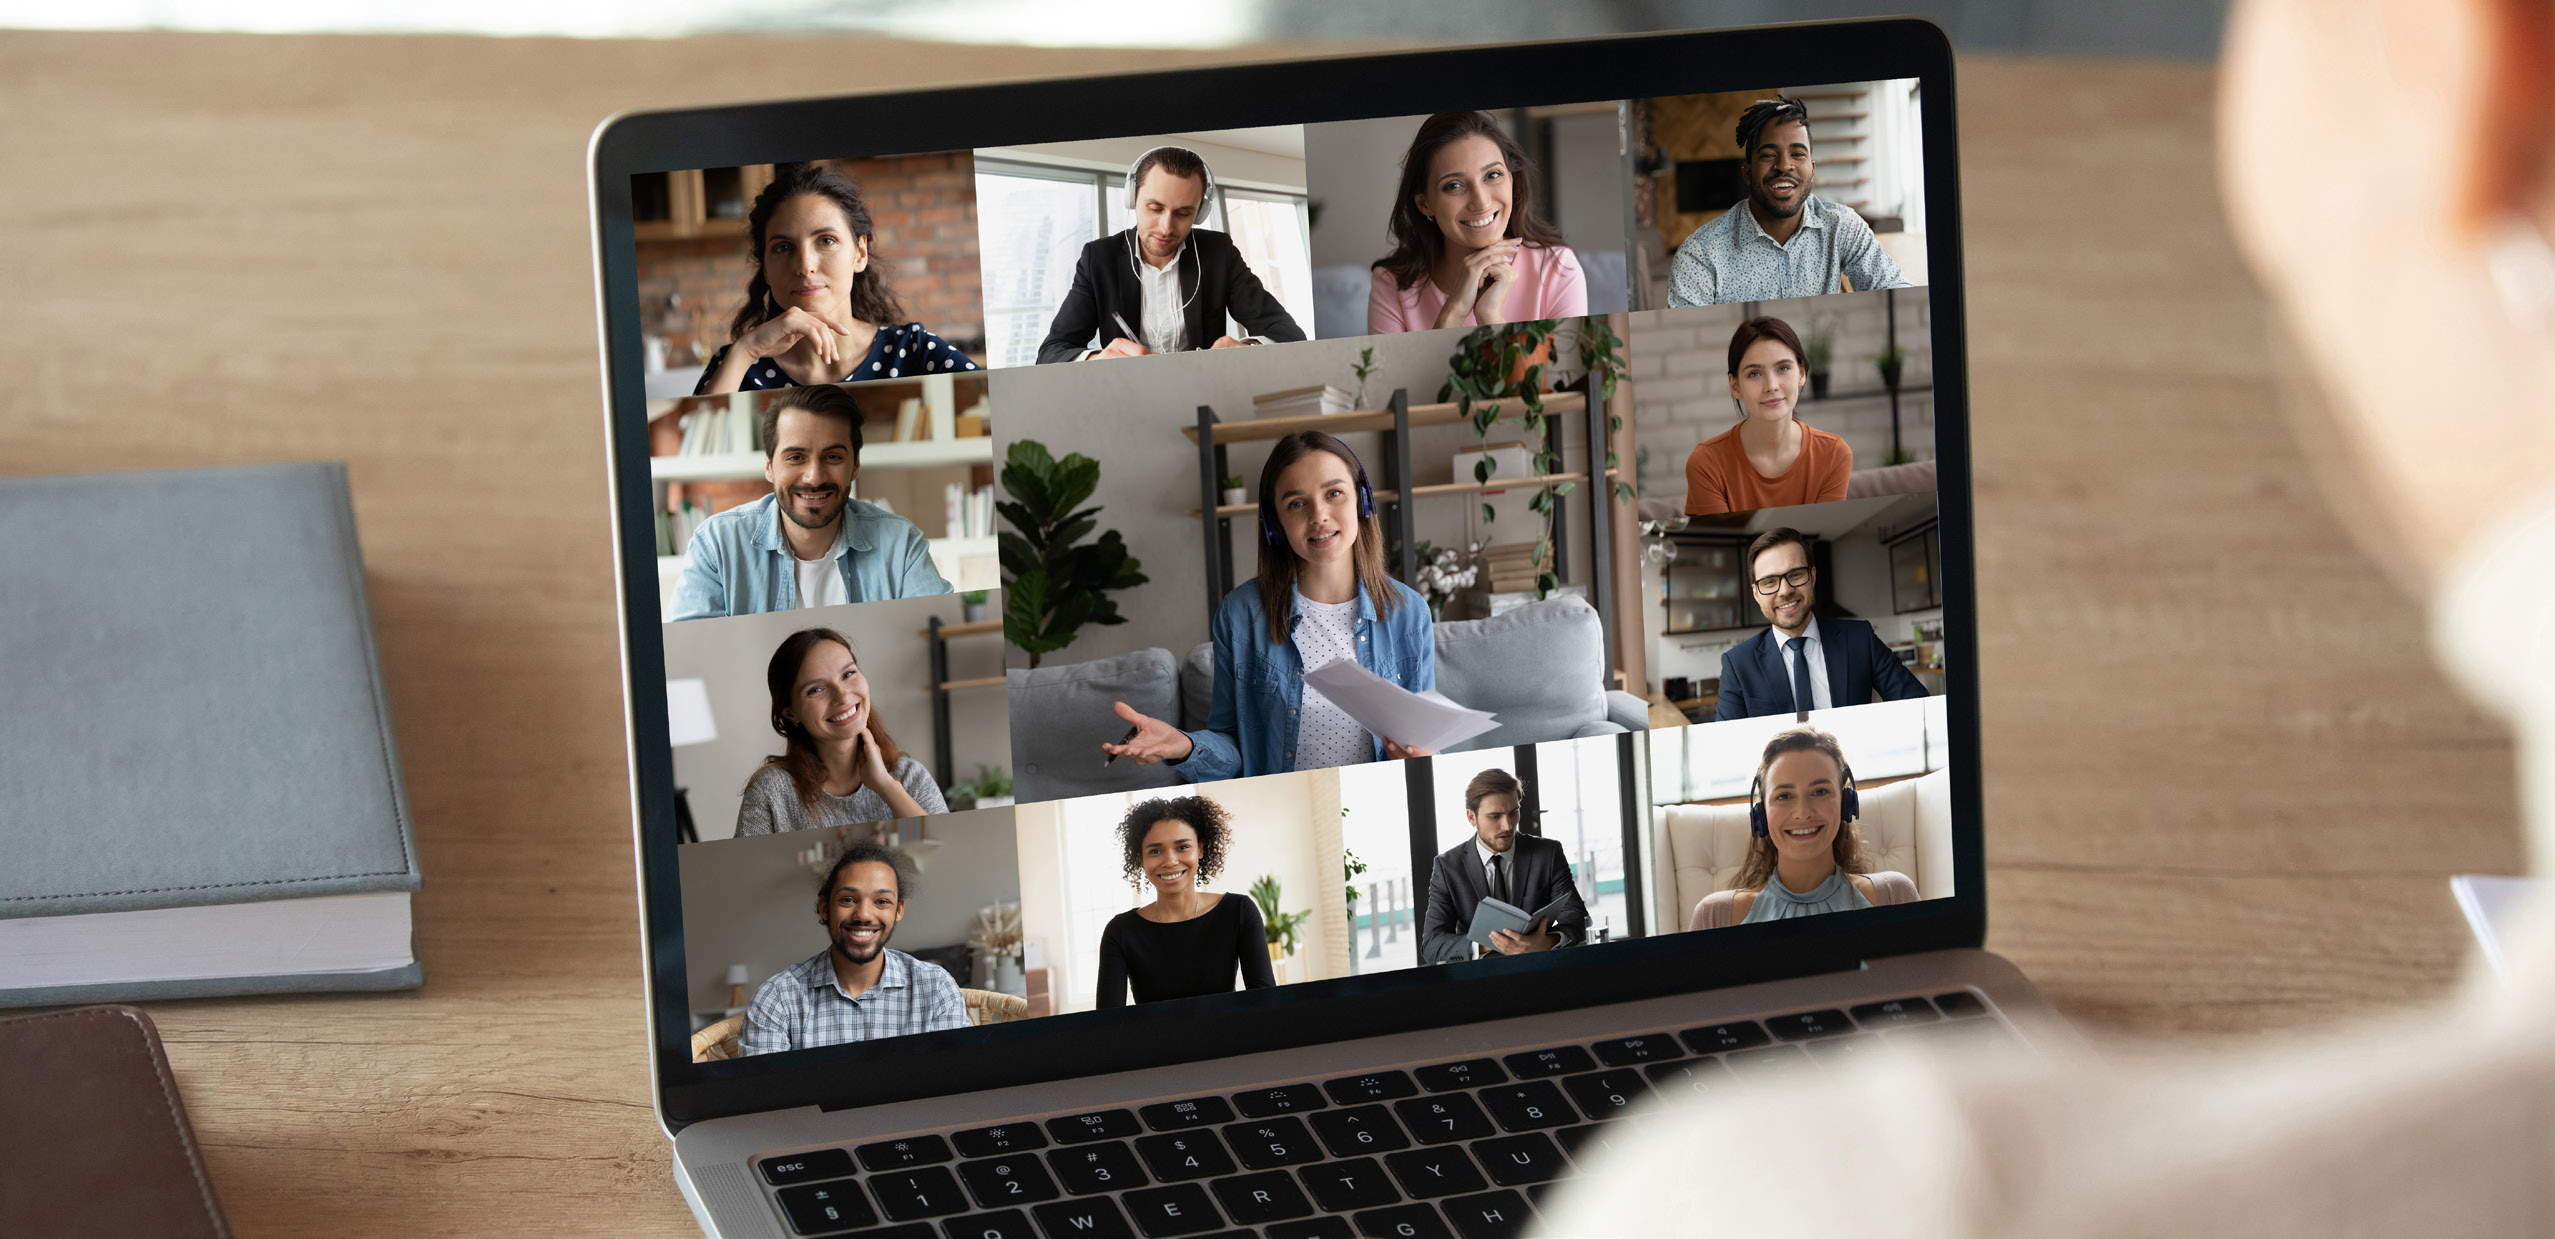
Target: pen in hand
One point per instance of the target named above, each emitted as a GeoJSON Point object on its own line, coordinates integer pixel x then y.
{"type": "Point", "coordinates": [1128, 738]}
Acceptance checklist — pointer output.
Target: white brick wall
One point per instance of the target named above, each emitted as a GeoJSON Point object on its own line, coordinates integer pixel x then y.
{"type": "Point", "coordinates": [1681, 394]}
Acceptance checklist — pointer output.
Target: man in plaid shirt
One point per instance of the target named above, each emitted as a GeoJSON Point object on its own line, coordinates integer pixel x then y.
{"type": "Point", "coordinates": [857, 989]}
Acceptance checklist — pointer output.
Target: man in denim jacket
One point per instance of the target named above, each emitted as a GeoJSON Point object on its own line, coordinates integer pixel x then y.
{"type": "Point", "coordinates": [808, 543]}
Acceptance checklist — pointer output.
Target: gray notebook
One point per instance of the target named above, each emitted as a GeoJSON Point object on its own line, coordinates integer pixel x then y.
{"type": "Point", "coordinates": [198, 791]}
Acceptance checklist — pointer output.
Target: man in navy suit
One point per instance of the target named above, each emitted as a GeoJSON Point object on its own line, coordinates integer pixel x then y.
{"type": "Point", "coordinates": [1803, 662]}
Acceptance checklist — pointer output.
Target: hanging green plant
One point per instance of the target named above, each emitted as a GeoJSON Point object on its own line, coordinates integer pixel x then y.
{"type": "Point", "coordinates": [1506, 362]}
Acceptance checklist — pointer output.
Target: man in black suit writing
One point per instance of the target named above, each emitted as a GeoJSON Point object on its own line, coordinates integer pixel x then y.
{"type": "Point", "coordinates": [1164, 285]}
{"type": "Point", "coordinates": [1803, 662]}
{"type": "Point", "coordinates": [1524, 871]}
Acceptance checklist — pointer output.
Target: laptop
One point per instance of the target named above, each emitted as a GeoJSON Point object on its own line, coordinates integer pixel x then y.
{"type": "Point", "coordinates": [1272, 649]}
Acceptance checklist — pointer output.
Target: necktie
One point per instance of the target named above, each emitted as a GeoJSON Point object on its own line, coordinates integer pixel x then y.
{"type": "Point", "coordinates": [1499, 877]}
{"type": "Point", "coordinates": [1801, 698]}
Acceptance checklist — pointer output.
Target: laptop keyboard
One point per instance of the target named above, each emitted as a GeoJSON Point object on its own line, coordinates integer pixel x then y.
{"type": "Point", "coordinates": [1454, 1150]}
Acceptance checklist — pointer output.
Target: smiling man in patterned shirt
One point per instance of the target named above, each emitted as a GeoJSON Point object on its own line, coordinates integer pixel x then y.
{"type": "Point", "coordinates": [1784, 241]}
{"type": "Point", "coordinates": [856, 989]}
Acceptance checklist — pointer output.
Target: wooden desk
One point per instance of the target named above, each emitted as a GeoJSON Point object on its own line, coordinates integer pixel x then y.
{"type": "Point", "coordinates": [230, 249]}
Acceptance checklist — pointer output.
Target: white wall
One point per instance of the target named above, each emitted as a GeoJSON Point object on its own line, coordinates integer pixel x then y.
{"type": "Point", "coordinates": [1127, 414]}
{"type": "Point", "coordinates": [1587, 180]}
{"type": "Point", "coordinates": [1680, 365]}
{"type": "Point", "coordinates": [731, 654]}
{"type": "Point", "coordinates": [748, 901]}
{"type": "Point", "coordinates": [1352, 168]}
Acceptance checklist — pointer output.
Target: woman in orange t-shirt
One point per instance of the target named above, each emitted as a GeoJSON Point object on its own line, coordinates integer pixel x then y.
{"type": "Point", "coordinates": [1768, 460]}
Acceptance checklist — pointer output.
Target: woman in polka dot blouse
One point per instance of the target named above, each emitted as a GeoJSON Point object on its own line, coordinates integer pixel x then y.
{"type": "Point", "coordinates": [818, 309]}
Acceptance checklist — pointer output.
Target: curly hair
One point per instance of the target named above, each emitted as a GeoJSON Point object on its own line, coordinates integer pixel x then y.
{"type": "Point", "coordinates": [1213, 824]}
{"type": "Point", "coordinates": [868, 852]}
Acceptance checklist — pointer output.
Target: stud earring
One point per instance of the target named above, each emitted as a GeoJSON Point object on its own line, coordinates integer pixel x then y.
{"type": "Point", "coordinates": [2523, 268]}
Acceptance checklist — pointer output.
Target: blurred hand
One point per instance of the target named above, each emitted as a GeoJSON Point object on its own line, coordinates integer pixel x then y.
{"type": "Point", "coordinates": [1154, 740]}
{"type": "Point", "coordinates": [1510, 942]}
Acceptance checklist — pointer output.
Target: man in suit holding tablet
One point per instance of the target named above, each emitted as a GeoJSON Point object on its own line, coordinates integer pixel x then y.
{"type": "Point", "coordinates": [1163, 285]}
{"type": "Point", "coordinates": [1499, 862]}
{"type": "Point", "coordinates": [1803, 662]}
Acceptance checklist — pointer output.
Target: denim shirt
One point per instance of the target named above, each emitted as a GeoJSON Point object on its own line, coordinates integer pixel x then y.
{"type": "Point", "coordinates": [739, 564]}
{"type": "Point", "coordinates": [1259, 683]}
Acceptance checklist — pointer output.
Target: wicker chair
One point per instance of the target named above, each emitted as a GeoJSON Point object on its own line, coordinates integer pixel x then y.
{"type": "Point", "coordinates": [718, 1040]}
{"type": "Point", "coordinates": [985, 1006]}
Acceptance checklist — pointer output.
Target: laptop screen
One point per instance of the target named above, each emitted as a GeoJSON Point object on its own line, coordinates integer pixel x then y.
{"type": "Point", "coordinates": [1222, 574]}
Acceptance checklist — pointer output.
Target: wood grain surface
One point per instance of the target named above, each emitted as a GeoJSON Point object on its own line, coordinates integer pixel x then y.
{"type": "Point", "coordinates": [2225, 785]}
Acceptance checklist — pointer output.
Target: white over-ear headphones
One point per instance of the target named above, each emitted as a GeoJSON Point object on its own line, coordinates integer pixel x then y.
{"type": "Point", "coordinates": [1136, 171]}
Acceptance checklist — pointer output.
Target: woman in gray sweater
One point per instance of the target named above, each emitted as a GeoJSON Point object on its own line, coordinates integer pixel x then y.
{"type": "Point", "coordinates": [838, 765]}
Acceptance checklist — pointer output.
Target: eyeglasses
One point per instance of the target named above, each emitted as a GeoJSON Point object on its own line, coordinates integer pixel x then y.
{"type": "Point", "coordinates": [1796, 578]}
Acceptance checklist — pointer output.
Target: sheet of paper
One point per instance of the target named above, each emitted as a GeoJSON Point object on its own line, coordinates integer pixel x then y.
{"type": "Point", "coordinates": [2494, 907]}
{"type": "Point", "coordinates": [1419, 720]}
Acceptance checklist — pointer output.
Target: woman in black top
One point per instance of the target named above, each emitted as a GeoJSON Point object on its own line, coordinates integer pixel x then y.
{"type": "Point", "coordinates": [1187, 942]}
{"type": "Point", "coordinates": [819, 309]}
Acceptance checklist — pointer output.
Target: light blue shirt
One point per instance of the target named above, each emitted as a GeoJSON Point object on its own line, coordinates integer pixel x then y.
{"type": "Point", "coordinates": [1731, 259]}
{"type": "Point", "coordinates": [1778, 902]}
{"type": "Point", "coordinates": [738, 562]}
{"type": "Point", "coordinates": [1259, 683]}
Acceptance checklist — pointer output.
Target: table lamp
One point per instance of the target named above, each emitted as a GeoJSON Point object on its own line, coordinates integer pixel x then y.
{"type": "Point", "coordinates": [736, 978]}
{"type": "Point", "coordinates": [687, 721]}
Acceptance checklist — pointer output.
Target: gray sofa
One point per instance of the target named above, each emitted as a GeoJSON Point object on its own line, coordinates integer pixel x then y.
{"type": "Point", "coordinates": [1540, 668]}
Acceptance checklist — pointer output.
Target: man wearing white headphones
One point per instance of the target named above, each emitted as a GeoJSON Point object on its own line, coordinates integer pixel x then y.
{"type": "Point", "coordinates": [1164, 285]}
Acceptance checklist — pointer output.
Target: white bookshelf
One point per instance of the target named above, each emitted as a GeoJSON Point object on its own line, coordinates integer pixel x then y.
{"type": "Point", "coordinates": [736, 466]}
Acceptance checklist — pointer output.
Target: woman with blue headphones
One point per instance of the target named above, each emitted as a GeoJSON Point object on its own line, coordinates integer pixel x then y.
{"type": "Point", "coordinates": [1322, 595]}
{"type": "Point", "coordinates": [1804, 856]}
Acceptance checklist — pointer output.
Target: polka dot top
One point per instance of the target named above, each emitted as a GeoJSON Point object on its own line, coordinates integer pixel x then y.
{"type": "Point", "coordinates": [901, 350]}
{"type": "Point", "coordinates": [1325, 735]}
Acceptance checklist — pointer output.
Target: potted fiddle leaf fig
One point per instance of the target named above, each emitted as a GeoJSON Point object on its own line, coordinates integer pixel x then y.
{"type": "Point", "coordinates": [1058, 582]}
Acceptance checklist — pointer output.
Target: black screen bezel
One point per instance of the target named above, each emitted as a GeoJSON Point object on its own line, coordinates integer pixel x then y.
{"type": "Point", "coordinates": [1294, 92]}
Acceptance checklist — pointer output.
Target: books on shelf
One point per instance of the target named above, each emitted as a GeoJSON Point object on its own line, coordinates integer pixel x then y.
{"type": "Point", "coordinates": [1513, 566]}
{"type": "Point", "coordinates": [721, 429]}
{"type": "Point", "coordinates": [1304, 402]}
{"type": "Point", "coordinates": [970, 513]}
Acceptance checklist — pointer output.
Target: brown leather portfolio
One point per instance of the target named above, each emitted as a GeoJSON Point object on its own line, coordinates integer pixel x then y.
{"type": "Point", "coordinates": [93, 1140]}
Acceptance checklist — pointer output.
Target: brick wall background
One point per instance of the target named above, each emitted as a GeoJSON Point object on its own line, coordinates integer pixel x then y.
{"type": "Point", "coordinates": [1679, 362]}
{"type": "Point", "coordinates": [924, 211]}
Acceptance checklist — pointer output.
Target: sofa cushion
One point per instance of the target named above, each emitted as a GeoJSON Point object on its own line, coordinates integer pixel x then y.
{"type": "Point", "coordinates": [1060, 716]}
{"type": "Point", "coordinates": [1540, 668]}
{"type": "Point", "coordinates": [1197, 685]}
